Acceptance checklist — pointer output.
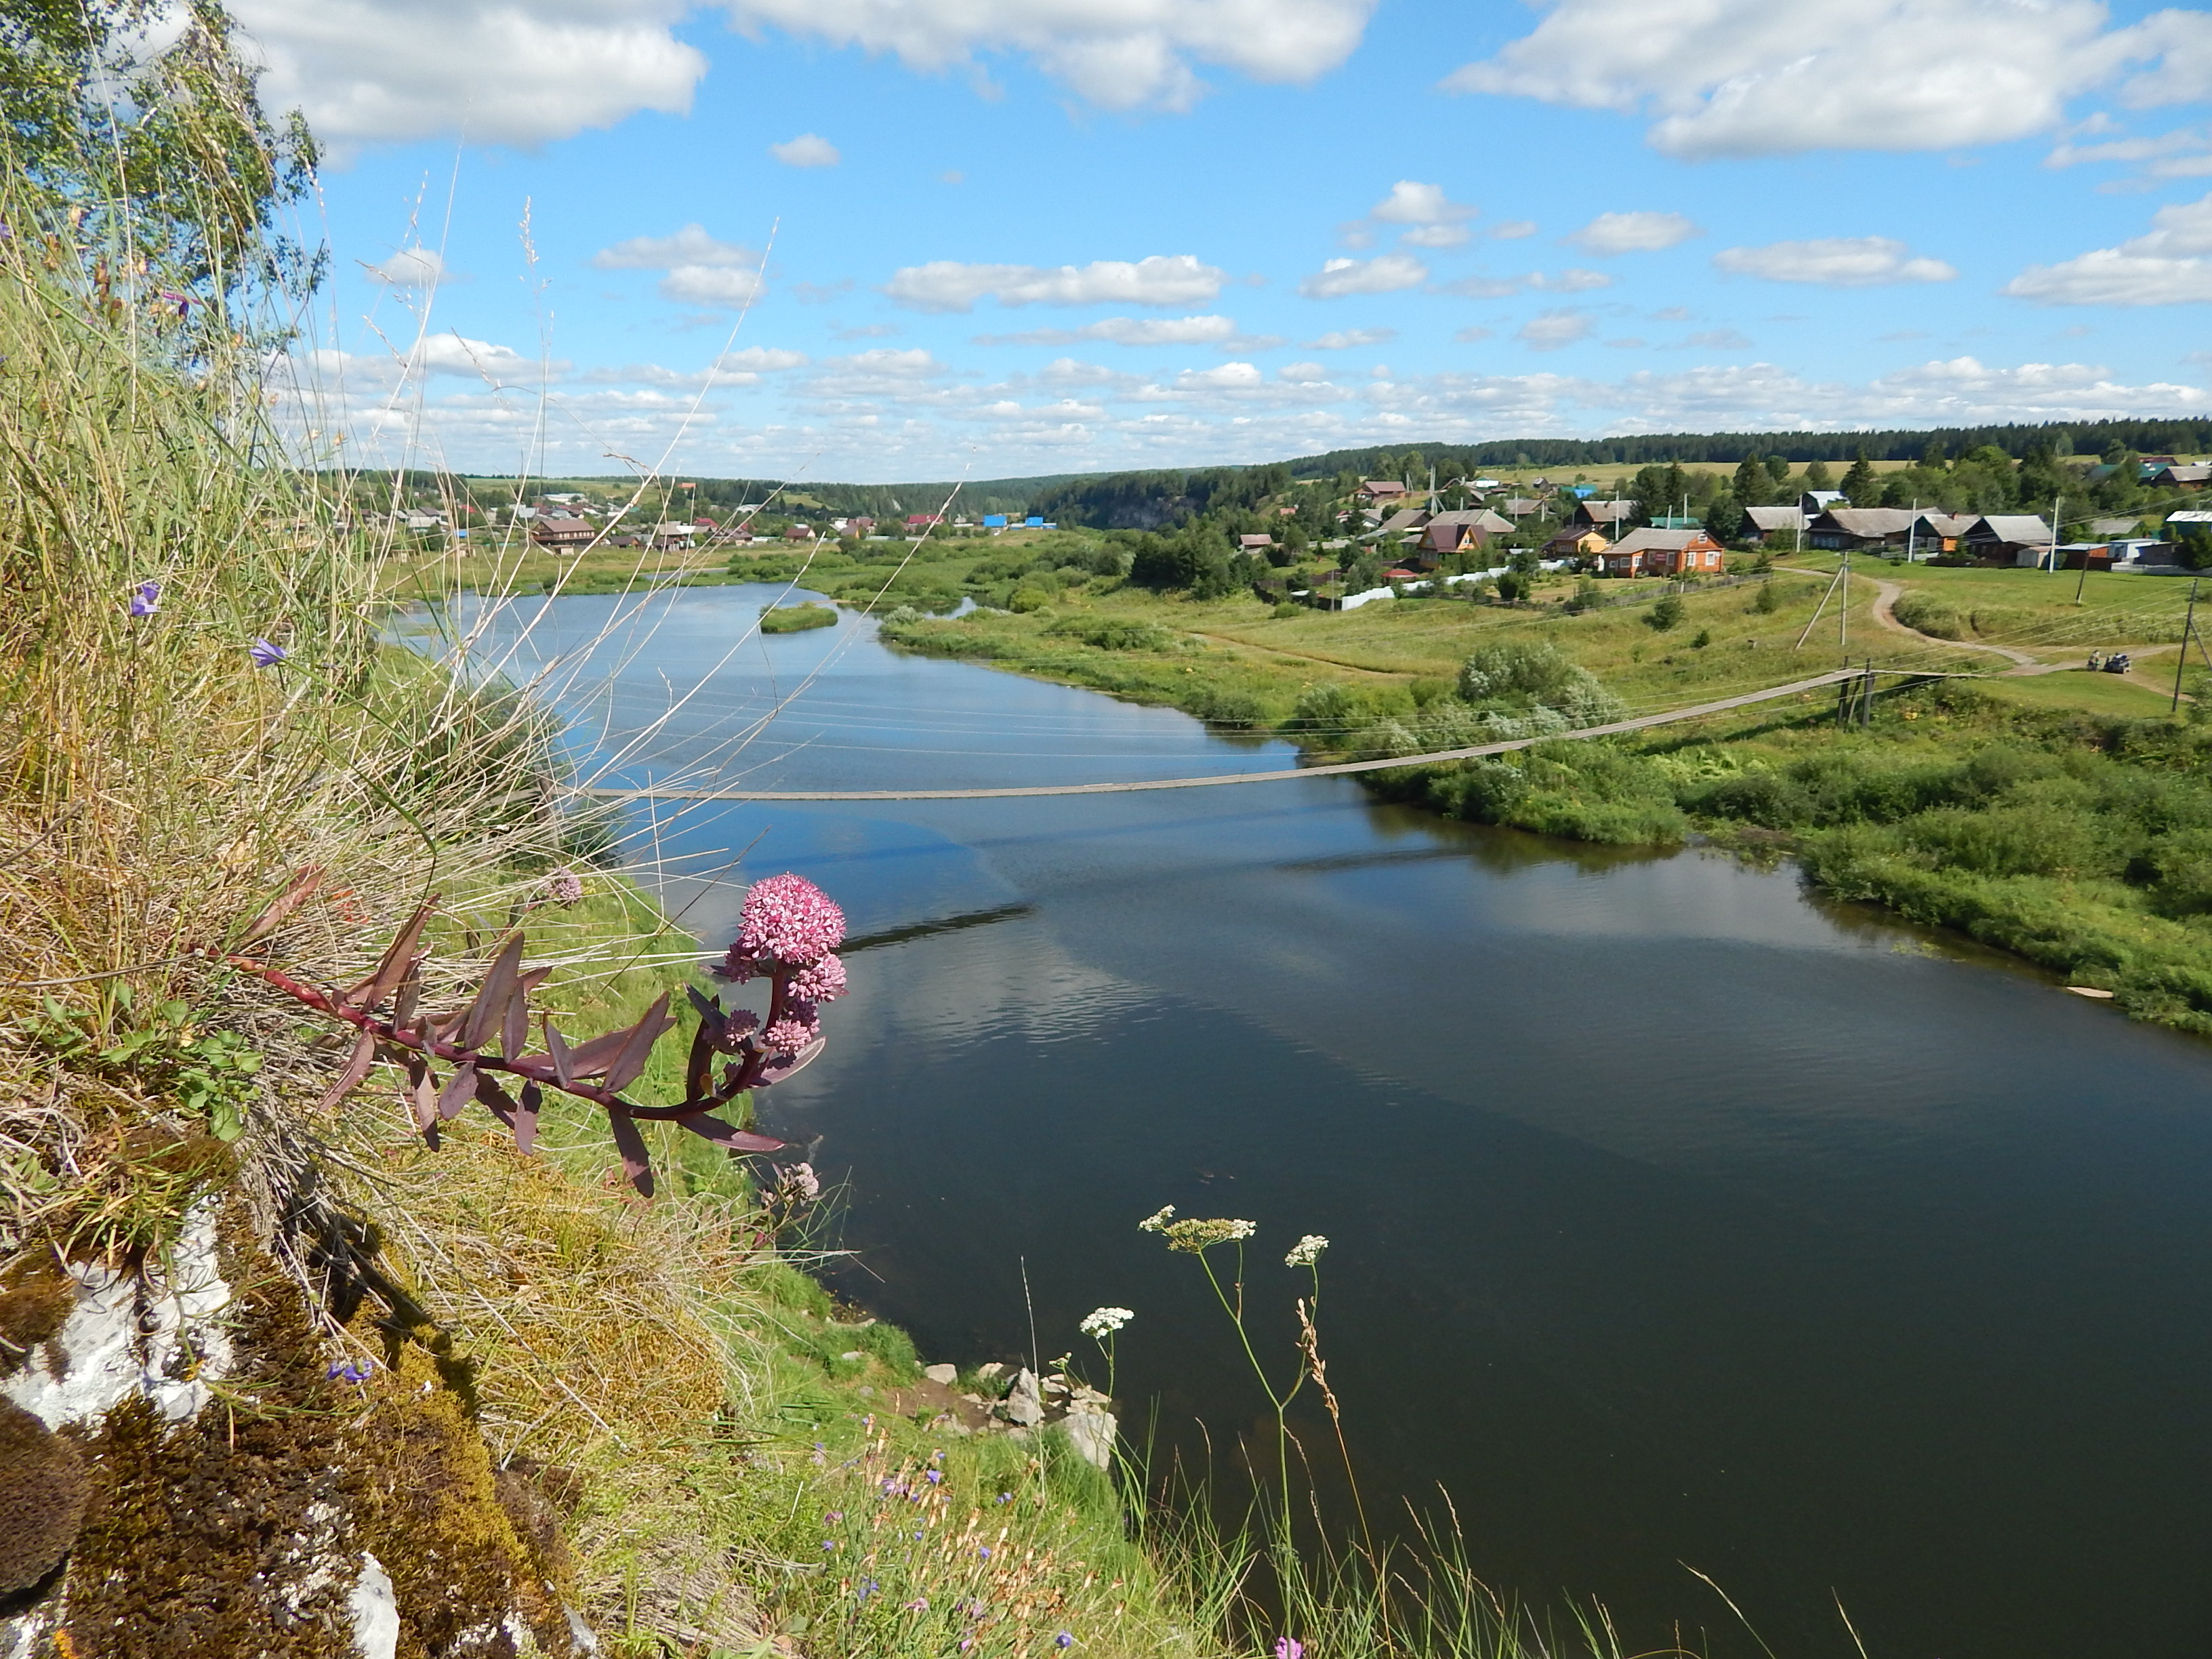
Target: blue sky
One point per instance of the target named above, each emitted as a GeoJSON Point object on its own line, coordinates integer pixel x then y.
{"type": "Point", "coordinates": [875, 240]}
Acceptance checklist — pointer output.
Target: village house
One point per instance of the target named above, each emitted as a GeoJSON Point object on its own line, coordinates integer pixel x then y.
{"type": "Point", "coordinates": [1938, 532]}
{"type": "Point", "coordinates": [2183, 475]}
{"type": "Point", "coordinates": [1761, 524]}
{"type": "Point", "coordinates": [1522, 507]}
{"type": "Point", "coordinates": [1820, 501]}
{"type": "Point", "coordinates": [1653, 552]}
{"type": "Point", "coordinates": [1255, 543]}
{"type": "Point", "coordinates": [1376, 491]}
{"type": "Point", "coordinates": [1847, 529]}
{"type": "Point", "coordinates": [562, 532]}
{"type": "Point", "coordinates": [1611, 517]}
{"type": "Point", "coordinates": [1403, 522]}
{"type": "Point", "coordinates": [1455, 533]}
{"type": "Point", "coordinates": [2008, 538]}
{"type": "Point", "coordinates": [1576, 542]}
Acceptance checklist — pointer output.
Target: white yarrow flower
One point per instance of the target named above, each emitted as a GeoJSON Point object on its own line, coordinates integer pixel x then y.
{"type": "Point", "coordinates": [1306, 1251]}
{"type": "Point", "coordinates": [1103, 1321]}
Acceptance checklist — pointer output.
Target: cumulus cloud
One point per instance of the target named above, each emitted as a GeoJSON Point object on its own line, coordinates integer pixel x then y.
{"type": "Point", "coordinates": [1412, 204]}
{"type": "Point", "coordinates": [701, 270]}
{"type": "Point", "coordinates": [1634, 232]}
{"type": "Point", "coordinates": [1303, 373]}
{"type": "Point", "coordinates": [1386, 273]}
{"type": "Point", "coordinates": [1548, 331]}
{"type": "Point", "coordinates": [1120, 54]}
{"type": "Point", "coordinates": [1575, 279]}
{"type": "Point", "coordinates": [2166, 266]}
{"type": "Point", "coordinates": [378, 71]}
{"type": "Point", "coordinates": [409, 267]}
{"type": "Point", "coordinates": [712, 286]}
{"type": "Point", "coordinates": [1350, 339]}
{"type": "Point", "coordinates": [1743, 78]}
{"type": "Point", "coordinates": [1835, 262]}
{"type": "Point", "coordinates": [1128, 332]}
{"type": "Point", "coordinates": [690, 245]}
{"type": "Point", "coordinates": [762, 359]}
{"type": "Point", "coordinates": [807, 151]}
{"type": "Point", "coordinates": [1159, 280]}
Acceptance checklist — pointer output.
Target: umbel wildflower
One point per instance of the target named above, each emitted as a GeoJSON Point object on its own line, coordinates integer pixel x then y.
{"type": "Point", "coordinates": [1194, 1235]}
{"type": "Point", "coordinates": [1102, 1323]}
{"type": "Point", "coordinates": [1306, 1251]}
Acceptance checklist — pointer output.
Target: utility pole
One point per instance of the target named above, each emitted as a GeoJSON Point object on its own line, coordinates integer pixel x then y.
{"type": "Point", "coordinates": [2056, 508]}
{"type": "Point", "coordinates": [2188, 629]}
{"type": "Point", "coordinates": [1843, 610]}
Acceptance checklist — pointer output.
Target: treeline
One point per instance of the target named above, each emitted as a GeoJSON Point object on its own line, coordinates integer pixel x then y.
{"type": "Point", "coordinates": [716, 497]}
{"type": "Point", "coordinates": [1151, 501]}
{"type": "Point", "coordinates": [2177, 437]}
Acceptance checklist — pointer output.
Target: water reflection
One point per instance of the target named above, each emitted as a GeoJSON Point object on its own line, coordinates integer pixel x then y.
{"type": "Point", "coordinates": [1678, 1217]}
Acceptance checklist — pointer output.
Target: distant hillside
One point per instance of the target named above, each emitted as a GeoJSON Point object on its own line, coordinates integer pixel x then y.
{"type": "Point", "coordinates": [2180, 437]}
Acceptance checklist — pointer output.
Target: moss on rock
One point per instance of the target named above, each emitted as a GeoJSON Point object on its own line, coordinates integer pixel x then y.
{"type": "Point", "coordinates": [42, 1500]}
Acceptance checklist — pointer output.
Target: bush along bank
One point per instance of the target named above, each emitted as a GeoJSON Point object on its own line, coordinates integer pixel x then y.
{"type": "Point", "coordinates": [2079, 842]}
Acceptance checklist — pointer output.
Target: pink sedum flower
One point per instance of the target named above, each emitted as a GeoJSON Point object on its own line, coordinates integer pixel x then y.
{"type": "Point", "coordinates": [789, 919]}
{"type": "Point", "coordinates": [790, 1035]}
{"type": "Point", "coordinates": [820, 981]}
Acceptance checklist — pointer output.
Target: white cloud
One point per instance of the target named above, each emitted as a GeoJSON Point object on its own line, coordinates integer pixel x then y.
{"type": "Point", "coordinates": [1128, 332]}
{"type": "Point", "coordinates": [712, 286]}
{"type": "Point", "coordinates": [1159, 280]}
{"type": "Point", "coordinates": [702, 270]}
{"type": "Point", "coordinates": [1634, 232]}
{"type": "Point", "coordinates": [495, 72]}
{"type": "Point", "coordinates": [409, 267]}
{"type": "Point", "coordinates": [1412, 204]}
{"type": "Point", "coordinates": [1506, 230]}
{"type": "Point", "coordinates": [1350, 339]}
{"type": "Point", "coordinates": [1235, 377]}
{"type": "Point", "coordinates": [690, 245]}
{"type": "Point", "coordinates": [1437, 236]}
{"type": "Point", "coordinates": [1386, 273]}
{"type": "Point", "coordinates": [1575, 279]}
{"type": "Point", "coordinates": [1303, 373]}
{"type": "Point", "coordinates": [1547, 330]}
{"type": "Point", "coordinates": [762, 359]}
{"type": "Point", "coordinates": [1835, 262]}
{"type": "Point", "coordinates": [807, 151]}
{"type": "Point", "coordinates": [1121, 54]}
{"type": "Point", "coordinates": [2168, 265]}
{"type": "Point", "coordinates": [1745, 77]}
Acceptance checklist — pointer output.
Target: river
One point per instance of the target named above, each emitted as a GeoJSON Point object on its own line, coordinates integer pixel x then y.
{"type": "Point", "coordinates": [1678, 1218]}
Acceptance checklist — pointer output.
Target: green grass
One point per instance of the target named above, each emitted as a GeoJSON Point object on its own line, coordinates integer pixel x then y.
{"type": "Point", "coordinates": [797, 618]}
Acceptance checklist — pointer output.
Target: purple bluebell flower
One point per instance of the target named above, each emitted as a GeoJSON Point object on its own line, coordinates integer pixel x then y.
{"type": "Point", "coordinates": [145, 599]}
{"type": "Point", "coordinates": [265, 654]}
{"type": "Point", "coordinates": [868, 1587]}
{"type": "Point", "coordinates": [935, 1476]}
{"type": "Point", "coordinates": [984, 1552]}
{"type": "Point", "coordinates": [1063, 1640]}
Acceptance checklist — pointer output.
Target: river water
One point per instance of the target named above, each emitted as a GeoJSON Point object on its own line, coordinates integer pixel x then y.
{"type": "Point", "coordinates": [1678, 1220]}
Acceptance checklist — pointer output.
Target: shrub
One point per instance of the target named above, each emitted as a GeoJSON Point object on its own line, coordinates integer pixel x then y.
{"type": "Point", "coordinates": [1667, 613]}
{"type": "Point", "coordinates": [1766, 603]}
{"type": "Point", "coordinates": [1114, 634]}
{"type": "Point", "coordinates": [1221, 707]}
{"type": "Point", "coordinates": [2016, 841]}
{"type": "Point", "coordinates": [1325, 710]}
{"type": "Point", "coordinates": [1927, 614]}
{"type": "Point", "coordinates": [796, 618]}
{"type": "Point", "coordinates": [1027, 598]}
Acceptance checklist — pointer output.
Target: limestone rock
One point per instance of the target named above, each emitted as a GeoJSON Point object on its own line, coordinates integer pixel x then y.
{"type": "Point", "coordinates": [1091, 1433]}
{"type": "Point", "coordinates": [944, 1376]}
{"type": "Point", "coordinates": [375, 1612]}
{"type": "Point", "coordinates": [1023, 1406]}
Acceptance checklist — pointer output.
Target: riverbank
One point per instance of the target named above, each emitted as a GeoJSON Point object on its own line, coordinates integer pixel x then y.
{"type": "Point", "coordinates": [2059, 815]}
